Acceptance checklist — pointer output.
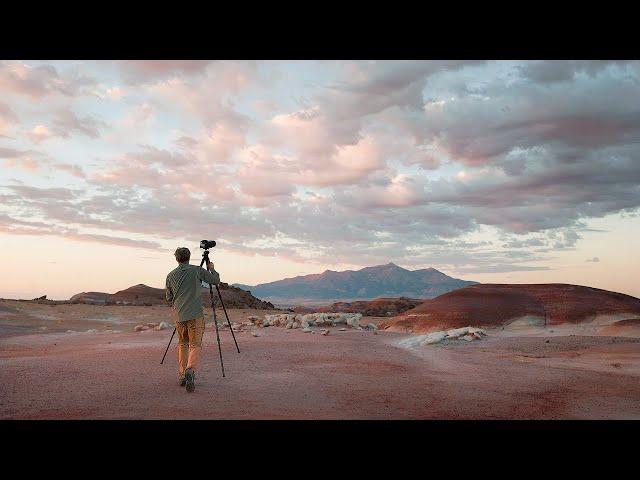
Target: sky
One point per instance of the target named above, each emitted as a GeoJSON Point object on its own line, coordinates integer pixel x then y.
{"type": "Point", "coordinates": [494, 171]}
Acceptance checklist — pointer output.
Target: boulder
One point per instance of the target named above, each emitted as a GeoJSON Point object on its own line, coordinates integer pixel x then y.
{"type": "Point", "coordinates": [140, 328]}
{"type": "Point", "coordinates": [457, 332]}
{"type": "Point", "coordinates": [341, 319]}
{"type": "Point", "coordinates": [435, 337]}
{"type": "Point", "coordinates": [163, 326]}
{"type": "Point", "coordinates": [354, 320]}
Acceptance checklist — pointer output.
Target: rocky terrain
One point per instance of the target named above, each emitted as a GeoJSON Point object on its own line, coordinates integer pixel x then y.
{"type": "Point", "coordinates": [470, 356]}
{"type": "Point", "coordinates": [388, 280]}
{"type": "Point", "coordinates": [520, 305]}
{"type": "Point", "coordinates": [285, 373]}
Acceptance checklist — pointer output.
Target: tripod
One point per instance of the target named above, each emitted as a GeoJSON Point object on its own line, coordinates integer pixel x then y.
{"type": "Point", "coordinates": [205, 258]}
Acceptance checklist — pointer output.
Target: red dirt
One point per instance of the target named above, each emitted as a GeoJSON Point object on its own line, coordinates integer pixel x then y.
{"type": "Point", "coordinates": [497, 304]}
{"type": "Point", "coordinates": [288, 374]}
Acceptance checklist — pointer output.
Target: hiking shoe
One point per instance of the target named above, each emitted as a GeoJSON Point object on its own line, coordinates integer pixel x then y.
{"type": "Point", "coordinates": [182, 380]}
{"type": "Point", "coordinates": [190, 379]}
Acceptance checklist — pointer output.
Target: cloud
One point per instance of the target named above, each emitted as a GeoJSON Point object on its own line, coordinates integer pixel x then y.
{"type": "Point", "coordinates": [500, 269]}
{"type": "Point", "coordinates": [552, 71]}
{"type": "Point", "coordinates": [144, 71]}
{"type": "Point", "coordinates": [20, 227]}
{"type": "Point", "coordinates": [348, 162]}
{"type": "Point", "coordinates": [593, 260]}
{"type": "Point", "coordinates": [24, 159]}
{"type": "Point", "coordinates": [39, 133]}
{"type": "Point", "coordinates": [37, 82]}
{"type": "Point", "coordinates": [8, 119]}
{"type": "Point", "coordinates": [66, 123]}
{"type": "Point", "coordinates": [74, 170]}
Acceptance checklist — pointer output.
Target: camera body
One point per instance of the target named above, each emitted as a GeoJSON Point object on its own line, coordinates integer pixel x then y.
{"type": "Point", "coordinates": [207, 244]}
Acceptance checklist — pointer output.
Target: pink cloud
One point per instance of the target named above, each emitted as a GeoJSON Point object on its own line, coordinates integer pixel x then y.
{"type": "Point", "coordinates": [39, 81]}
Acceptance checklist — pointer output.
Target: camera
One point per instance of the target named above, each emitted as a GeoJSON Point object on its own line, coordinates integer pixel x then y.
{"type": "Point", "coordinates": [207, 244]}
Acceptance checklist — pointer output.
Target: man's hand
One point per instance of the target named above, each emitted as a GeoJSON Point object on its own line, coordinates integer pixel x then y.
{"type": "Point", "coordinates": [210, 266]}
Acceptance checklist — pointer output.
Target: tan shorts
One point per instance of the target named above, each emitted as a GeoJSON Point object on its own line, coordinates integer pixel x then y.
{"type": "Point", "coordinates": [190, 332]}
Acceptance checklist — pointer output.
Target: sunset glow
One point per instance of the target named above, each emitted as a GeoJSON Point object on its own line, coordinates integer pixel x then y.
{"type": "Point", "coordinates": [497, 171]}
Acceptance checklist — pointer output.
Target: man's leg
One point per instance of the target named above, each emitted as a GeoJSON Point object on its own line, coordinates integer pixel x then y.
{"type": "Point", "coordinates": [196, 330]}
{"type": "Point", "coordinates": [183, 348]}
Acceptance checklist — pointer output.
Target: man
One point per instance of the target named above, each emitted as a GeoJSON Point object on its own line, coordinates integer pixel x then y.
{"type": "Point", "coordinates": [184, 292]}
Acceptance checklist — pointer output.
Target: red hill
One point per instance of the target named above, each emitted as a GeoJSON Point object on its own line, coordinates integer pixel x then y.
{"type": "Point", "coordinates": [493, 305]}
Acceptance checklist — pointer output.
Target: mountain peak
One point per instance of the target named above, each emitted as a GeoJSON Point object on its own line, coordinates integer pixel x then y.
{"type": "Point", "coordinates": [386, 265]}
{"type": "Point", "coordinates": [390, 266]}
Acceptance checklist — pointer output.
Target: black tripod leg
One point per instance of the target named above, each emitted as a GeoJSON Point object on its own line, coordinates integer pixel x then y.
{"type": "Point", "coordinates": [170, 340]}
{"type": "Point", "coordinates": [228, 321]}
{"type": "Point", "coordinates": [215, 322]}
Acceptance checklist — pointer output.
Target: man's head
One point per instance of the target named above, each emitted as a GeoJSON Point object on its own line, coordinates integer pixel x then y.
{"type": "Point", "coordinates": [182, 255]}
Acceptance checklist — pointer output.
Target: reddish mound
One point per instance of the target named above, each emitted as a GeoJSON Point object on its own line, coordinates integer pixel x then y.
{"type": "Point", "coordinates": [139, 295]}
{"type": "Point", "coordinates": [499, 304]}
{"type": "Point", "coordinates": [379, 307]}
{"type": "Point", "coordinates": [91, 297]}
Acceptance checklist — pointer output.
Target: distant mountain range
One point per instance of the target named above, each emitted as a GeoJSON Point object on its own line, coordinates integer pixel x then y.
{"type": "Point", "coordinates": [388, 280]}
{"type": "Point", "coordinates": [141, 294]}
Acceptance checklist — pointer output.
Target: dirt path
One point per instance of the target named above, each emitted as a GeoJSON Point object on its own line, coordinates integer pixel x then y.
{"type": "Point", "coordinates": [288, 374]}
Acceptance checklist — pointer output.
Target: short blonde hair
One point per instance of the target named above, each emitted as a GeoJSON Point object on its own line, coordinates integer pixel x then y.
{"type": "Point", "coordinates": [183, 254]}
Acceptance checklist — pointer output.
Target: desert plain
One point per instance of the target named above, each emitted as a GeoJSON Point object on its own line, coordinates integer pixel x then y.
{"type": "Point", "coordinates": [79, 361]}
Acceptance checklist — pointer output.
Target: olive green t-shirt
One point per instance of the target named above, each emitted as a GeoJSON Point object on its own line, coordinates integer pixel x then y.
{"type": "Point", "coordinates": [184, 289]}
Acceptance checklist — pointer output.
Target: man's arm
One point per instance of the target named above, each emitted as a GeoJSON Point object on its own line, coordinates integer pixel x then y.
{"type": "Point", "coordinates": [168, 294]}
{"type": "Point", "coordinates": [211, 277]}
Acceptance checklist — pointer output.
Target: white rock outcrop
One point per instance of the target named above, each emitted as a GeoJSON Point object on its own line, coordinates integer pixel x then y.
{"type": "Point", "coordinates": [435, 337]}
{"type": "Point", "coordinates": [467, 334]}
{"type": "Point", "coordinates": [293, 321]}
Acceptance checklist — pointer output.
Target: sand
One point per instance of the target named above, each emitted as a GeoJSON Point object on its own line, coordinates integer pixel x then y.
{"type": "Point", "coordinates": [288, 374]}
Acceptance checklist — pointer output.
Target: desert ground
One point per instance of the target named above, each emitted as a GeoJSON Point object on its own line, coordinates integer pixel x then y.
{"type": "Point", "coordinates": [86, 362]}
